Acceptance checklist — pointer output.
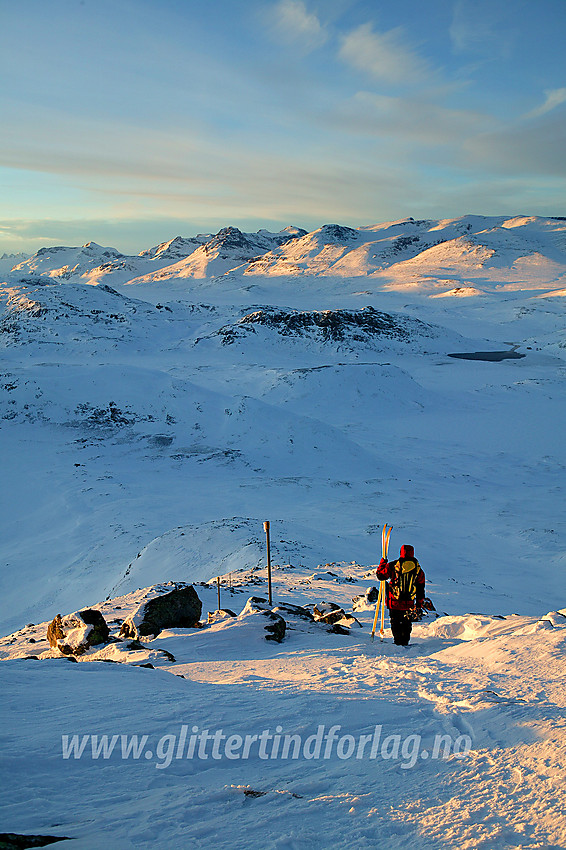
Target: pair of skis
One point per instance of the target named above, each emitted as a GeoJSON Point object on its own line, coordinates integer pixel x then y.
{"type": "Point", "coordinates": [380, 607]}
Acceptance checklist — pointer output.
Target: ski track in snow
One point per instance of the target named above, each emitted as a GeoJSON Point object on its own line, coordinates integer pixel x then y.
{"type": "Point", "coordinates": [147, 430]}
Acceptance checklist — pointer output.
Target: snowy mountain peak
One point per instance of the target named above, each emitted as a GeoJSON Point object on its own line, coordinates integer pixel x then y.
{"type": "Point", "coordinates": [227, 237]}
{"type": "Point", "coordinates": [14, 257]}
{"type": "Point", "coordinates": [9, 261]}
{"type": "Point", "coordinates": [174, 249]}
{"type": "Point", "coordinates": [290, 230]}
{"type": "Point", "coordinates": [222, 252]}
{"type": "Point", "coordinates": [338, 233]}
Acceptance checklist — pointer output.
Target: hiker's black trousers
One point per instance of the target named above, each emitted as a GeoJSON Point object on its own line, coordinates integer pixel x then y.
{"type": "Point", "coordinates": [401, 627]}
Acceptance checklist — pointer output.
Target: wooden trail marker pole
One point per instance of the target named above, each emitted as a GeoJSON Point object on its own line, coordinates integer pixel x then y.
{"type": "Point", "coordinates": [218, 588]}
{"type": "Point", "coordinates": [266, 529]}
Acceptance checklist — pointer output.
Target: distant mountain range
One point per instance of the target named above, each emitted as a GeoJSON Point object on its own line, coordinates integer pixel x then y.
{"type": "Point", "coordinates": [519, 252]}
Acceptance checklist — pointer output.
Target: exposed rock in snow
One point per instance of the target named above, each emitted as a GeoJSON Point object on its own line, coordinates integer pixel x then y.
{"type": "Point", "coordinates": [327, 612]}
{"type": "Point", "coordinates": [289, 610]}
{"type": "Point", "coordinates": [75, 633]}
{"type": "Point", "coordinates": [347, 327]}
{"type": "Point", "coordinates": [172, 605]}
{"type": "Point", "coordinates": [366, 601]}
{"type": "Point", "coordinates": [275, 628]}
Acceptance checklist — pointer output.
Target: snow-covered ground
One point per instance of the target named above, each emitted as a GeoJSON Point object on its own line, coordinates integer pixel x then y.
{"type": "Point", "coordinates": [455, 741]}
{"type": "Point", "coordinates": [151, 422]}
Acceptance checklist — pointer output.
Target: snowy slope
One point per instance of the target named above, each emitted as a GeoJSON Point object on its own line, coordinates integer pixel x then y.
{"type": "Point", "coordinates": [94, 264]}
{"type": "Point", "coordinates": [146, 433]}
{"type": "Point", "coordinates": [464, 245]}
{"type": "Point", "coordinates": [8, 261]}
{"type": "Point", "coordinates": [142, 417]}
{"type": "Point", "coordinates": [63, 262]}
{"type": "Point", "coordinates": [454, 742]}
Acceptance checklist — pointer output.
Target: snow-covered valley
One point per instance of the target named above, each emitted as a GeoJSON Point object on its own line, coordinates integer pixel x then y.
{"type": "Point", "coordinates": [155, 410]}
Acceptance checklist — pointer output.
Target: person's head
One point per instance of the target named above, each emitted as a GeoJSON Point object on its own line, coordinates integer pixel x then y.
{"type": "Point", "coordinates": [407, 551]}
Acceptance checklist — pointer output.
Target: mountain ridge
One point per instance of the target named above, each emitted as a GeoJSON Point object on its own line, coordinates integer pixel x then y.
{"type": "Point", "coordinates": [391, 253]}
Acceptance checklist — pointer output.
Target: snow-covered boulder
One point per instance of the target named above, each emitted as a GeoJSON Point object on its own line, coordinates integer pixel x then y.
{"type": "Point", "coordinates": [276, 627]}
{"type": "Point", "coordinates": [367, 600]}
{"type": "Point", "coordinates": [77, 632]}
{"type": "Point", "coordinates": [293, 611]}
{"type": "Point", "coordinates": [254, 605]}
{"type": "Point", "coordinates": [167, 606]}
{"type": "Point", "coordinates": [328, 612]}
{"type": "Point", "coordinates": [220, 614]}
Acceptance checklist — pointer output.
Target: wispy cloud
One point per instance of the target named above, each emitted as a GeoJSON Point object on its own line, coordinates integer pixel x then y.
{"type": "Point", "coordinates": [554, 98]}
{"type": "Point", "coordinates": [386, 56]}
{"type": "Point", "coordinates": [525, 148]}
{"type": "Point", "coordinates": [411, 121]}
{"type": "Point", "coordinates": [480, 27]}
{"type": "Point", "coordinates": [292, 21]}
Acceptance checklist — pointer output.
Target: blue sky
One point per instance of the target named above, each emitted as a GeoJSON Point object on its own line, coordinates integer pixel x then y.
{"type": "Point", "coordinates": [131, 121]}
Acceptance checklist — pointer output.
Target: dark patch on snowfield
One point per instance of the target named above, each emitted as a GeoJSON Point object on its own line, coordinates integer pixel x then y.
{"type": "Point", "coordinates": [331, 325]}
{"type": "Point", "coordinates": [161, 441]}
{"type": "Point", "coordinates": [111, 415]}
{"type": "Point", "coordinates": [15, 841]}
{"type": "Point", "coordinates": [203, 454]}
{"type": "Point", "coordinates": [403, 242]}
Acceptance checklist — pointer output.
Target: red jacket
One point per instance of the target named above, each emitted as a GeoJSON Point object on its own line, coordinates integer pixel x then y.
{"type": "Point", "coordinates": [389, 571]}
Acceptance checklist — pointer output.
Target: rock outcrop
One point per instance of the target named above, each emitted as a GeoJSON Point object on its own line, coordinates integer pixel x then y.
{"type": "Point", "coordinates": [173, 605]}
{"type": "Point", "coordinates": [328, 612]}
{"type": "Point", "coordinates": [75, 633]}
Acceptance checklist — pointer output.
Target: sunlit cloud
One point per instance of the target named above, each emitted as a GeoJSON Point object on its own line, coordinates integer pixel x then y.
{"type": "Point", "coordinates": [384, 55]}
{"type": "Point", "coordinates": [292, 22]}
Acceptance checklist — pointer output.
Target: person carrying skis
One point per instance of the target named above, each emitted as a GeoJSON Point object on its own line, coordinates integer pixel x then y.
{"type": "Point", "coordinates": [405, 592]}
